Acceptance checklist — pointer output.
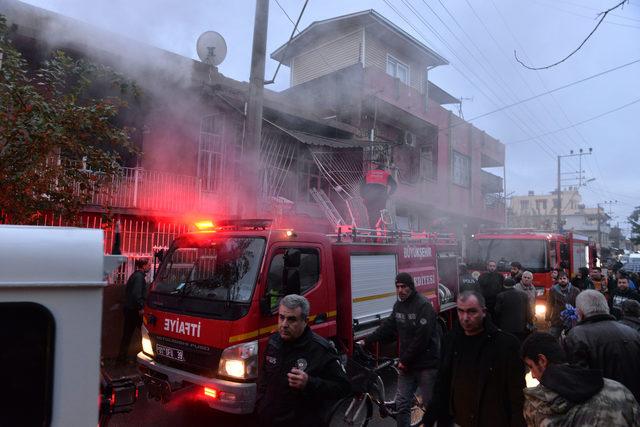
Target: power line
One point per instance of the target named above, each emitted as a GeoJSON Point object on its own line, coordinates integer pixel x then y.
{"type": "Point", "coordinates": [516, 119]}
{"type": "Point", "coordinates": [495, 41]}
{"type": "Point", "coordinates": [604, 14]}
{"type": "Point", "coordinates": [559, 88]}
{"type": "Point", "coordinates": [596, 9]}
{"type": "Point", "coordinates": [495, 72]}
{"type": "Point", "coordinates": [538, 74]}
{"type": "Point", "coordinates": [590, 18]}
{"type": "Point", "coordinates": [635, 101]}
{"type": "Point", "coordinates": [293, 32]}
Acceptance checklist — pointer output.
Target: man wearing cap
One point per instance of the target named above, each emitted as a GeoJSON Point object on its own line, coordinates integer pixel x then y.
{"type": "Point", "coordinates": [413, 323]}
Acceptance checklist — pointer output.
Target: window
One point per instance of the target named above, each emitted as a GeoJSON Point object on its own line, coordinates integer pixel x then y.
{"type": "Point", "coordinates": [308, 272]}
{"type": "Point", "coordinates": [461, 169]}
{"type": "Point", "coordinates": [533, 254]}
{"type": "Point", "coordinates": [397, 69]}
{"type": "Point", "coordinates": [524, 205]}
{"type": "Point", "coordinates": [427, 162]}
{"type": "Point", "coordinates": [210, 152]}
{"type": "Point", "coordinates": [26, 364]}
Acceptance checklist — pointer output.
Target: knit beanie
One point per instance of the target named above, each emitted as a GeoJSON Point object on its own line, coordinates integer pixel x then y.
{"type": "Point", "coordinates": [508, 282]}
{"type": "Point", "coordinates": [406, 279]}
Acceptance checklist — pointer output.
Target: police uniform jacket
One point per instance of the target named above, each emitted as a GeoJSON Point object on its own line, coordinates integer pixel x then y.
{"type": "Point", "coordinates": [413, 323]}
{"type": "Point", "coordinates": [280, 405]}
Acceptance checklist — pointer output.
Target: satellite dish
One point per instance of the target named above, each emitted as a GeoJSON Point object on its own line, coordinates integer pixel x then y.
{"type": "Point", "coordinates": [211, 48]}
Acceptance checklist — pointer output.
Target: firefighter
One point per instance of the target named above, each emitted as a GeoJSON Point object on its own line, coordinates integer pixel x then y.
{"type": "Point", "coordinates": [377, 186]}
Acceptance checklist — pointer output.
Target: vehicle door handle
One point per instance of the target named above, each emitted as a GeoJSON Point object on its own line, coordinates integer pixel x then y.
{"type": "Point", "coordinates": [320, 318]}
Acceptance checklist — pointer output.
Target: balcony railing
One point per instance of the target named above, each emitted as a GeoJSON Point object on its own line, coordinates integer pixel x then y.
{"type": "Point", "coordinates": [490, 183]}
{"type": "Point", "coordinates": [138, 188]}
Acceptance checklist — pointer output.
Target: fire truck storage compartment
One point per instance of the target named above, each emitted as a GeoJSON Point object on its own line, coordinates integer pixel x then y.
{"type": "Point", "coordinates": [372, 287]}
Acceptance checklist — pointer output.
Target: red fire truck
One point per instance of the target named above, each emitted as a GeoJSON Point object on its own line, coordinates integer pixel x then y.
{"type": "Point", "coordinates": [538, 252]}
{"type": "Point", "coordinates": [213, 303]}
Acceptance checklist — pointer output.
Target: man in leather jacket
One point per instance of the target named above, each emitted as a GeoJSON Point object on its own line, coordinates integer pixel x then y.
{"type": "Point", "coordinates": [413, 323]}
{"type": "Point", "coordinates": [301, 374]}
{"type": "Point", "coordinates": [599, 342]}
{"type": "Point", "coordinates": [481, 376]}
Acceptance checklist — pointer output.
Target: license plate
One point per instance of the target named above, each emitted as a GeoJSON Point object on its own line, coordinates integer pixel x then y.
{"type": "Point", "coordinates": [171, 353]}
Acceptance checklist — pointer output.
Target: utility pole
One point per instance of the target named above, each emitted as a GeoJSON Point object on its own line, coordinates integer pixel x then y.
{"type": "Point", "coordinates": [559, 203]}
{"type": "Point", "coordinates": [580, 153]}
{"type": "Point", "coordinates": [251, 163]}
{"type": "Point", "coordinates": [599, 233]}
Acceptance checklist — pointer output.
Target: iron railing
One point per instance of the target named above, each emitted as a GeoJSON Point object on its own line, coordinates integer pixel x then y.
{"type": "Point", "coordinates": [138, 188]}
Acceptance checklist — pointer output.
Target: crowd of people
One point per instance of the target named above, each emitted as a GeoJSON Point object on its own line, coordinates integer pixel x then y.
{"type": "Point", "coordinates": [474, 375]}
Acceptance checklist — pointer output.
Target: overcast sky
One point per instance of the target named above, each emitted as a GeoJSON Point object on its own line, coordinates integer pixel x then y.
{"type": "Point", "coordinates": [478, 37]}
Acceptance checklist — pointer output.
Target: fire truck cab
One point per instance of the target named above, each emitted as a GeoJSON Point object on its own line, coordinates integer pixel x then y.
{"type": "Point", "coordinates": [213, 303]}
{"type": "Point", "coordinates": [538, 252]}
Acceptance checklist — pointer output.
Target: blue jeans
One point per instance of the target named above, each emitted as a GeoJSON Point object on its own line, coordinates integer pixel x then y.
{"type": "Point", "coordinates": [408, 383]}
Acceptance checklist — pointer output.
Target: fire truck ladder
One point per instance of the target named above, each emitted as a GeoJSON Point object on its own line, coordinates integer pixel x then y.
{"type": "Point", "coordinates": [327, 206]}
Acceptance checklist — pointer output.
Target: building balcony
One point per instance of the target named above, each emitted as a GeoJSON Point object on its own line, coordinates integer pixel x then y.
{"type": "Point", "coordinates": [490, 183]}
{"type": "Point", "coordinates": [140, 189]}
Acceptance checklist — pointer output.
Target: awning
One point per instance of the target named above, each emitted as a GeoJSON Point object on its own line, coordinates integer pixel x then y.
{"type": "Point", "coordinates": [319, 140]}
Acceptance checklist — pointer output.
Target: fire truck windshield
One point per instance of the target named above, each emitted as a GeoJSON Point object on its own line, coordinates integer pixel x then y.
{"type": "Point", "coordinates": [532, 254]}
{"type": "Point", "coordinates": [201, 270]}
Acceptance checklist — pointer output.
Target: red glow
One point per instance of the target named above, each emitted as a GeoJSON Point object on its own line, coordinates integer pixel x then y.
{"type": "Point", "coordinates": [211, 392]}
{"type": "Point", "coordinates": [137, 393]}
{"type": "Point", "coordinates": [204, 225]}
{"type": "Point", "coordinates": [112, 402]}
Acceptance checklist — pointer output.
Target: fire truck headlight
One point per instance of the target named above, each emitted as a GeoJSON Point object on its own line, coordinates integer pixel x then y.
{"type": "Point", "coordinates": [147, 348]}
{"type": "Point", "coordinates": [240, 361]}
{"type": "Point", "coordinates": [541, 309]}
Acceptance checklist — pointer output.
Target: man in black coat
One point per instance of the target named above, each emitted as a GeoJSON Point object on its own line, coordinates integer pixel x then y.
{"type": "Point", "coordinates": [481, 377]}
{"type": "Point", "coordinates": [599, 342]}
{"type": "Point", "coordinates": [513, 312]}
{"type": "Point", "coordinates": [560, 294]}
{"type": "Point", "coordinates": [301, 374]}
{"type": "Point", "coordinates": [490, 284]}
{"type": "Point", "coordinates": [135, 294]}
{"type": "Point", "coordinates": [621, 294]}
{"type": "Point", "coordinates": [413, 323]}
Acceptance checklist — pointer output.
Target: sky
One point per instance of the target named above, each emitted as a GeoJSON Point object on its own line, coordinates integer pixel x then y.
{"type": "Point", "coordinates": [478, 38]}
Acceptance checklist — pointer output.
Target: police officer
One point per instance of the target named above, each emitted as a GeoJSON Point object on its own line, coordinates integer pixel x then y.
{"type": "Point", "coordinates": [413, 323]}
{"type": "Point", "coordinates": [376, 188]}
{"type": "Point", "coordinates": [301, 374]}
{"type": "Point", "coordinates": [467, 281]}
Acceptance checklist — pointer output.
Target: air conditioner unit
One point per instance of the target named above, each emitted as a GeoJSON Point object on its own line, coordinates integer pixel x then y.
{"type": "Point", "coordinates": [409, 139]}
